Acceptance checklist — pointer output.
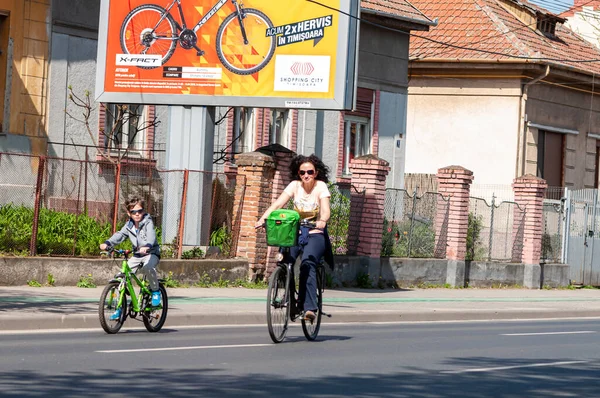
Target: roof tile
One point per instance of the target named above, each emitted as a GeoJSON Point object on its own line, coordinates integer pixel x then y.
{"type": "Point", "coordinates": [483, 29]}
{"type": "Point", "coordinates": [396, 8]}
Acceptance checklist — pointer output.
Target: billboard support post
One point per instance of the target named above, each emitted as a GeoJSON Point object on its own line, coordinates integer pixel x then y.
{"type": "Point", "coordinates": [189, 147]}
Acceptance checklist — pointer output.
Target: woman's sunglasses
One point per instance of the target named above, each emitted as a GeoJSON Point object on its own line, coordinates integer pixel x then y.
{"type": "Point", "coordinates": [140, 211]}
{"type": "Point", "coordinates": [309, 172]}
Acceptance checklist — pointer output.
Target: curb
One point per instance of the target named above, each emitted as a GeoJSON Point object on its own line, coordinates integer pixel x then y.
{"type": "Point", "coordinates": [90, 320]}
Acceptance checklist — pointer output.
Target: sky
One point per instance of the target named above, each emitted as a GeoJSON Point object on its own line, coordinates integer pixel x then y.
{"type": "Point", "coordinates": [556, 6]}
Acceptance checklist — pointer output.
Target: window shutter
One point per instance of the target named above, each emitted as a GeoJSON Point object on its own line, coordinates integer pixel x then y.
{"type": "Point", "coordinates": [364, 103]}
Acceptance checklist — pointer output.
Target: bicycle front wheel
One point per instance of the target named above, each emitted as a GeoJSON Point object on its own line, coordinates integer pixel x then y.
{"type": "Point", "coordinates": [311, 328]}
{"type": "Point", "coordinates": [278, 305]}
{"type": "Point", "coordinates": [149, 30]}
{"type": "Point", "coordinates": [110, 319]}
{"type": "Point", "coordinates": [245, 57]}
{"type": "Point", "coordinates": [155, 317]}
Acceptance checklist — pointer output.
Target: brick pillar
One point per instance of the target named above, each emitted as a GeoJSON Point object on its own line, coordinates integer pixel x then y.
{"type": "Point", "coordinates": [452, 216]}
{"type": "Point", "coordinates": [254, 197]}
{"type": "Point", "coordinates": [528, 225]}
{"type": "Point", "coordinates": [369, 174]}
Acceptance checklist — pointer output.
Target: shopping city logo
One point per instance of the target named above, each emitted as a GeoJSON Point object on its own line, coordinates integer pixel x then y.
{"type": "Point", "coordinates": [302, 73]}
{"type": "Point", "coordinates": [302, 68]}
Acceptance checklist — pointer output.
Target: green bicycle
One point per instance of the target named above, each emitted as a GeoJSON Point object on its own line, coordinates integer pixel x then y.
{"type": "Point", "coordinates": [119, 293]}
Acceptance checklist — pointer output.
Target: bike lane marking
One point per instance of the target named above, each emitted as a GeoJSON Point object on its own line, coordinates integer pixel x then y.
{"type": "Point", "coordinates": [201, 347]}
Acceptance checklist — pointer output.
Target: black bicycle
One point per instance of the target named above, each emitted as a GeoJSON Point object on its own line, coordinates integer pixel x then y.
{"type": "Point", "coordinates": [242, 44]}
{"type": "Point", "coordinates": [282, 298]}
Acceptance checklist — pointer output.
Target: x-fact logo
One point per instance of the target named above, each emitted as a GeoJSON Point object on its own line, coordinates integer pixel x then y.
{"type": "Point", "coordinates": [302, 68]}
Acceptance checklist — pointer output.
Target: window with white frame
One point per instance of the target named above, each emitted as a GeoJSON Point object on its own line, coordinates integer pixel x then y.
{"type": "Point", "coordinates": [243, 130]}
{"type": "Point", "coordinates": [357, 140]}
{"type": "Point", "coordinates": [126, 127]}
{"type": "Point", "coordinates": [280, 127]}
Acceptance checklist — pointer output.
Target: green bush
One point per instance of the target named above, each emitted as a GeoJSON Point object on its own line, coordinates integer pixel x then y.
{"type": "Point", "coordinates": [395, 240]}
{"type": "Point", "coordinates": [15, 228]}
{"type": "Point", "coordinates": [475, 249]}
{"type": "Point", "coordinates": [59, 233]}
{"type": "Point", "coordinates": [337, 227]}
{"type": "Point", "coordinates": [196, 252]}
{"type": "Point", "coordinates": [363, 281]}
{"type": "Point", "coordinates": [221, 238]}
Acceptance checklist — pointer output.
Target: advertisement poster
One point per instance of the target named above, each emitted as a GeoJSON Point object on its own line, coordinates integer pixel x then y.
{"type": "Point", "coordinates": [225, 52]}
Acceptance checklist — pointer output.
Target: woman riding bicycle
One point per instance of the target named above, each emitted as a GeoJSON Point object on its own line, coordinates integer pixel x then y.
{"type": "Point", "coordinates": [311, 200]}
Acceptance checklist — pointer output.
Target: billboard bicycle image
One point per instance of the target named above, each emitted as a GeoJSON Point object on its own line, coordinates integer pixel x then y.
{"type": "Point", "coordinates": [242, 44]}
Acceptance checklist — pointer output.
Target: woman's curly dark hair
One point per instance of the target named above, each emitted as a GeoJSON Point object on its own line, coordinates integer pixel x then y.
{"type": "Point", "coordinates": [298, 160]}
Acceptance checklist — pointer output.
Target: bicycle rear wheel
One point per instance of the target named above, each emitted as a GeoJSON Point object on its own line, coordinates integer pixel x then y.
{"type": "Point", "coordinates": [278, 308]}
{"type": "Point", "coordinates": [311, 329]}
{"type": "Point", "coordinates": [150, 30]}
{"type": "Point", "coordinates": [155, 317]}
{"type": "Point", "coordinates": [109, 301]}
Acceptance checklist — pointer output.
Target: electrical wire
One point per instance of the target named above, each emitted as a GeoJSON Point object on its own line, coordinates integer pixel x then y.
{"type": "Point", "coordinates": [446, 44]}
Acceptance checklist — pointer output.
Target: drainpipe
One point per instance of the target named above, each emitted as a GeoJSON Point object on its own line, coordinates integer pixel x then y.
{"type": "Point", "coordinates": [522, 137]}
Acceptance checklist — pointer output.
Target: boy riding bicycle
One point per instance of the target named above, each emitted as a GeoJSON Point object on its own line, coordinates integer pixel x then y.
{"type": "Point", "coordinates": [140, 231]}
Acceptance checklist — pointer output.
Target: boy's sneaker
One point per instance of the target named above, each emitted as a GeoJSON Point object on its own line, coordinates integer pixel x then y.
{"type": "Point", "coordinates": [156, 298]}
{"type": "Point", "coordinates": [116, 315]}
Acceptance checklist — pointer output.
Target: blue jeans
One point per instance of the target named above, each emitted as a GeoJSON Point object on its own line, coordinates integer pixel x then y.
{"type": "Point", "coordinates": [312, 253]}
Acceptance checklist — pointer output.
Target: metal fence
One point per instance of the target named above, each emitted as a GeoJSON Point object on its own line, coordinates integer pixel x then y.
{"type": "Point", "coordinates": [553, 237]}
{"type": "Point", "coordinates": [54, 206]}
{"type": "Point", "coordinates": [494, 230]}
{"type": "Point", "coordinates": [409, 224]}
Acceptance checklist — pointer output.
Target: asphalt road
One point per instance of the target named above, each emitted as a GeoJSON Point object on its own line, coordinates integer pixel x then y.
{"type": "Point", "coordinates": [476, 359]}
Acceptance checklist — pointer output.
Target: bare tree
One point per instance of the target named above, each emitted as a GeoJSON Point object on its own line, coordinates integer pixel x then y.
{"type": "Point", "coordinates": [117, 117]}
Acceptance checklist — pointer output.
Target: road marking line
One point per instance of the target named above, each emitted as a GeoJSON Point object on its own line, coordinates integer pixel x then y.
{"type": "Point", "coordinates": [332, 323]}
{"type": "Point", "coordinates": [202, 347]}
{"type": "Point", "coordinates": [533, 365]}
{"type": "Point", "coordinates": [548, 333]}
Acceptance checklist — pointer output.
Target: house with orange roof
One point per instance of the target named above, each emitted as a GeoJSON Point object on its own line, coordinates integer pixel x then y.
{"type": "Point", "coordinates": [504, 89]}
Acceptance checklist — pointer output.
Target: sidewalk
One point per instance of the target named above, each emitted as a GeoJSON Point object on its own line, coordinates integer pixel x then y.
{"type": "Point", "coordinates": [27, 308]}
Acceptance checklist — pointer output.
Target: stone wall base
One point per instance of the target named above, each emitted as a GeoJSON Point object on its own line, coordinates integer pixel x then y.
{"type": "Point", "coordinates": [414, 272]}
{"type": "Point", "coordinates": [380, 272]}
{"type": "Point", "coordinates": [17, 271]}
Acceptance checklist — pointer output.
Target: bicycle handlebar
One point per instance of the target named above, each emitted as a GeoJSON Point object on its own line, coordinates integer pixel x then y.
{"type": "Point", "coordinates": [109, 250]}
{"type": "Point", "coordinates": [303, 223]}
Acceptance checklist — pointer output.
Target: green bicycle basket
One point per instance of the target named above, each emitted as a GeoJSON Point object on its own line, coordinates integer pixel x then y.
{"type": "Point", "coordinates": [282, 228]}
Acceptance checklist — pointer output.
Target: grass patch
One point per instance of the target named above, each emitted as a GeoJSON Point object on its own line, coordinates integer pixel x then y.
{"type": "Point", "coordinates": [86, 282]}
{"type": "Point", "coordinates": [33, 283]}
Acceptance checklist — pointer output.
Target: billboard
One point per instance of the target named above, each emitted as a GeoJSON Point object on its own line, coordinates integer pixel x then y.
{"type": "Point", "coordinates": [262, 53]}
